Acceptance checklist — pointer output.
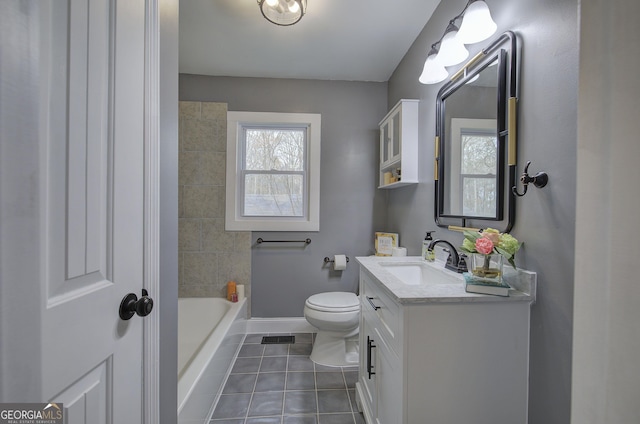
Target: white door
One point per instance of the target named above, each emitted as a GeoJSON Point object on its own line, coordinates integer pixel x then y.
{"type": "Point", "coordinates": [84, 213]}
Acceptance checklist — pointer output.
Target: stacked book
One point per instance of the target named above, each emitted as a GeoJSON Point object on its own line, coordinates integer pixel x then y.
{"type": "Point", "coordinates": [474, 284]}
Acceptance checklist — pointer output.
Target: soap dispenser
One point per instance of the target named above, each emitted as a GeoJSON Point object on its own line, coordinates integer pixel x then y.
{"type": "Point", "coordinates": [428, 255]}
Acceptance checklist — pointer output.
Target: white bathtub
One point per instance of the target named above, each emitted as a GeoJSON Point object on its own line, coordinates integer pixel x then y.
{"type": "Point", "coordinates": [210, 332]}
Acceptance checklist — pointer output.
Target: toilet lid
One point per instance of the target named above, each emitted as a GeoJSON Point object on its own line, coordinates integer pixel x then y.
{"type": "Point", "coordinates": [334, 301]}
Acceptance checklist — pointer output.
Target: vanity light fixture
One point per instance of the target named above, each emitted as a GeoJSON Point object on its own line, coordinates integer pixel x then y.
{"type": "Point", "coordinates": [433, 71]}
{"type": "Point", "coordinates": [452, 51]}
{"type": "Point", "coordinates": [283, 12]}
{"type": "Point", "coordinates": [477, 25]}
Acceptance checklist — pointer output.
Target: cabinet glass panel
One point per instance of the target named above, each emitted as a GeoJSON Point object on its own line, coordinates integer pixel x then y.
{"type": "Point", "coordinates": [384, 152]}
{"type": "Point", "coordinates": [395, 126]}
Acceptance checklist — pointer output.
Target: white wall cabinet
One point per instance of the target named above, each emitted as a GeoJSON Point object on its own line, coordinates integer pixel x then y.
{"type": "Point", "coordinates": [399, 145]}
{"type": "Point", "coordinates": [444, 362]}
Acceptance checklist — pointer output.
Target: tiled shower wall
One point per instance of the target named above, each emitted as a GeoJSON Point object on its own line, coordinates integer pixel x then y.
{"type": "Point", "coordinates": [209, 256]}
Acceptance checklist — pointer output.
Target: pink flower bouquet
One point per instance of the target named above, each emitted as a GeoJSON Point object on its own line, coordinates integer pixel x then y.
{"type": "Point", "coordinates": [490, 241]}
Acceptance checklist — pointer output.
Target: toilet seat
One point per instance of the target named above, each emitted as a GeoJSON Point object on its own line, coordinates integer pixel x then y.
{"type": "Point", "coordinates": [334, 302]}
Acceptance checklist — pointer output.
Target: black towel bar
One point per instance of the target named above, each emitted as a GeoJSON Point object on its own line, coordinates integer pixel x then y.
{"type": "Point", "coordinates": [260, 241]}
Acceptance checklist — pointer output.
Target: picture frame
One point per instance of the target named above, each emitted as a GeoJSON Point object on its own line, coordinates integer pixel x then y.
{"type": "Point", "coordinates": [385, 242]}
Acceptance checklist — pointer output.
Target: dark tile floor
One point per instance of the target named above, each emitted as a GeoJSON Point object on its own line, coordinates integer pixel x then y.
{"type": "Point", "coordinates": [279, 384]}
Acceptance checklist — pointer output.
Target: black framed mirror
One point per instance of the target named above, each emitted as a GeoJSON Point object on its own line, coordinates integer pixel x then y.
{"type": "Point", "coordinates": [475, 158]}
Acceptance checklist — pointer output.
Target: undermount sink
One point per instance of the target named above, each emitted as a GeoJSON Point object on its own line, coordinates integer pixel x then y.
{"type": "Point", "coordinates": [420, 273]}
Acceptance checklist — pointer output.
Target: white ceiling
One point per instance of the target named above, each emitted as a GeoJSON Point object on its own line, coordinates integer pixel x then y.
{"type": "Point", "coordinates": [352, 40]}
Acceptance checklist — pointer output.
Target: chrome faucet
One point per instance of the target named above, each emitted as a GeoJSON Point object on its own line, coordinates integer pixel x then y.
{"type": "Point", "coordinates": [455, 262]}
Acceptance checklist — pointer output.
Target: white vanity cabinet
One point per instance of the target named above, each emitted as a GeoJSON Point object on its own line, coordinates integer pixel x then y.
{"type": "Point", "coordinates": [380, 362]}
{"type": "Point", "coordinates": [399, 144]}
{"type": "Point", "coordinates": [442, 362]}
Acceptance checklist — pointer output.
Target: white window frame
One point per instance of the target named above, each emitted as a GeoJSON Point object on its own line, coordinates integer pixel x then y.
{"type": "Point", "coordinates": [234, 221]}
{"type": "Point", "coordinates": [458, 128]}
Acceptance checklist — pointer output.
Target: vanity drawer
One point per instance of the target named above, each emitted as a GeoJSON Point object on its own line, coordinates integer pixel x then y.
{"type": "Point", "coordinates": [378, 306]}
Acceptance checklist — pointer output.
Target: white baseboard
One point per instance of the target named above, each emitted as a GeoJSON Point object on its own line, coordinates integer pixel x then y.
{"type": "Point", "coordinates": [279, 325]}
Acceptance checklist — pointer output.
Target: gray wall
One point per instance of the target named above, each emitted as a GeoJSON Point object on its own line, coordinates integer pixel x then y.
{"type": "Point", "coordinates": [351, 209]}
{"type": "Point", "coordinates": [545, 218]}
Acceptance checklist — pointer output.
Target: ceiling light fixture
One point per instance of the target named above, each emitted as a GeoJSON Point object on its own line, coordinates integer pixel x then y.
{"type": "Point", "coordinates": [477, 25]}
{"type": "Point", "coordinates": [283, 12]}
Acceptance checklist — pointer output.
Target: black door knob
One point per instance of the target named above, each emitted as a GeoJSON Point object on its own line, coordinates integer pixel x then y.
{"type": "Point", "coordinates": [131, 305]}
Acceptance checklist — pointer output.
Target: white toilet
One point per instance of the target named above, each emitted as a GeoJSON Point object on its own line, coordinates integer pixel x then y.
{"type": "Point", "coordinates": [337, 317]}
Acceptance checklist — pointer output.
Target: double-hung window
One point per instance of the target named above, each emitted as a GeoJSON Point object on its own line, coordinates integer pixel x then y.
{"type": "Point", "coordinates": [478, 174]}
{"type": "Point", "coordinates": [273, 171]}
{"type": "Point", "coordinates": [474, 176]}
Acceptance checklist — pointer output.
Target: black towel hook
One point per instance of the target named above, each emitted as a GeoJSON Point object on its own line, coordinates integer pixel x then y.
{"type": "Point", "coordinates": [539, 180]}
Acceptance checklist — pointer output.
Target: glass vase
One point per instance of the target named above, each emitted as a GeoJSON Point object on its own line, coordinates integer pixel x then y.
{"type": "Point", "coordinates": [487, 268]}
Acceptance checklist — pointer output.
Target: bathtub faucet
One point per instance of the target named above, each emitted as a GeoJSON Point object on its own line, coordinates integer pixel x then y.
{"type": "Point", "coordinates": [455, 262]}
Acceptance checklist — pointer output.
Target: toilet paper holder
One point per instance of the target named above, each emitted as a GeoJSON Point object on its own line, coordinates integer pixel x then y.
{"type": "Point", "coordinates": [328, 260]}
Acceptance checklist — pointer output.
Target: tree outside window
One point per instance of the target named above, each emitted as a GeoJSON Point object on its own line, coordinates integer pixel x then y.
{"type": "Point", "coordinates": [274, 171]}
{"type": "Point", "coordinates": [478, 173]}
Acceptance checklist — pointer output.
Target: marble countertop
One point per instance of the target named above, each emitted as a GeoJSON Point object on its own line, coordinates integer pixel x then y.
{"type": "Point", "coordinates": [523, 283]}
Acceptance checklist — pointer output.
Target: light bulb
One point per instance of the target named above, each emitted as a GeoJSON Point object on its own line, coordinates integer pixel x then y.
{"type": "Point", "coordinates": [294, 7]}
{"type": "Point", "coordinates": [477, 24]}
{"type": "Point", "coordinates": [272, 3]}
{"type": "Point", "coordinates": [452, 51]}
{"type": "Point", "coordinates": [433, 71]}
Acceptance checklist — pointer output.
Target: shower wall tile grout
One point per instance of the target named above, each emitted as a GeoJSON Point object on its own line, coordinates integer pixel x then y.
{"type": "Point", "coordinates": [209, 256]}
